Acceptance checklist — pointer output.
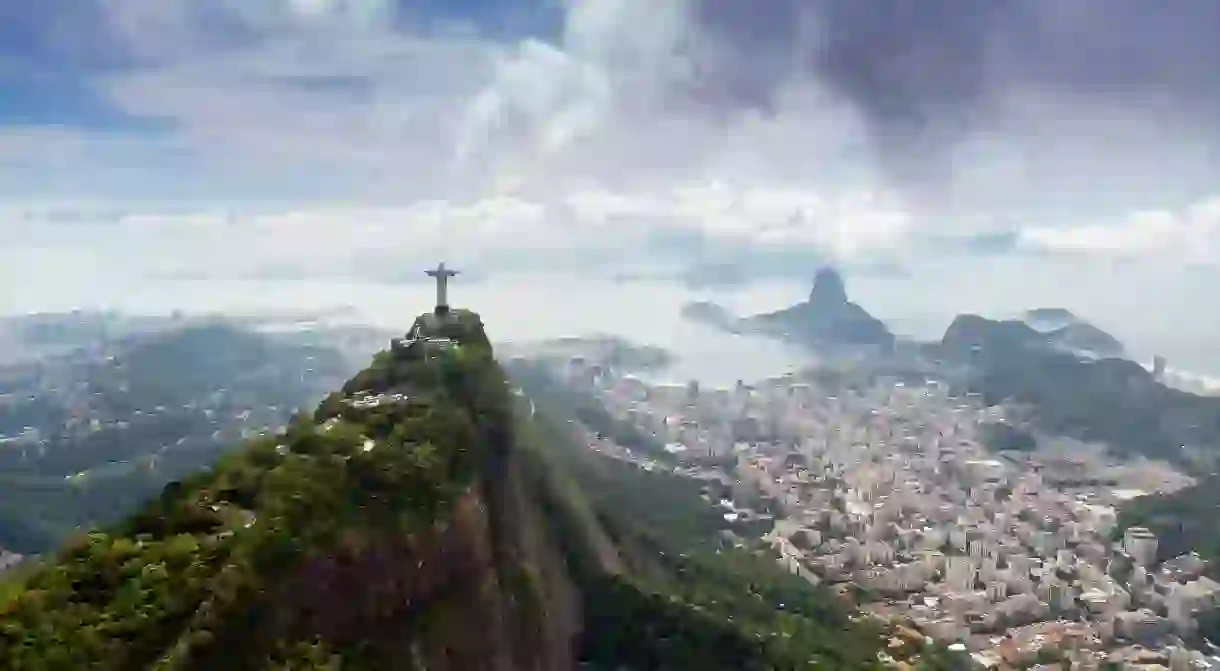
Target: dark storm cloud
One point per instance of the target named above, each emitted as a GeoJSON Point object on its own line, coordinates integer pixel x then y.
{"type": "Point", "coordinates": [752, 49]}
{"type": "Point", "coordinates": [923, 74]}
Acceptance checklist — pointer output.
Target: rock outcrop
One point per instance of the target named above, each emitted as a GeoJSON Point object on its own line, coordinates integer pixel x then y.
{"type": "Point", "coordinates": [828, 318]}
{"type": "Point", "coordinates": [828, 288]}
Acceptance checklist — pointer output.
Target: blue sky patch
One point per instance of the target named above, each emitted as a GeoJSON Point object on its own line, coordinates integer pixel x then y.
{"type": "Point", "coordinates": [62, 99]}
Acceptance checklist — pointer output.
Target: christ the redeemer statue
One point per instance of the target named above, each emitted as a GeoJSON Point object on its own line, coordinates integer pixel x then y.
{"type": "Point", "coordinates": [442, 275]}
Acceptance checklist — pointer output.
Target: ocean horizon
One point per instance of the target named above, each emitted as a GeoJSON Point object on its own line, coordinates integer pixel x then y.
{"type": "Point", "coordinates": [523, 307]}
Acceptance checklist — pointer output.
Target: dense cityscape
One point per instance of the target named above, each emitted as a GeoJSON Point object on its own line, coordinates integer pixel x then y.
{"type": "Point", "coordinates": [888, 491]}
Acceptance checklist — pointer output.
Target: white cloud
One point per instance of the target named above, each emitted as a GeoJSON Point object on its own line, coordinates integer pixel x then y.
{"type": "Point", "coordinates": [613, 100]}
{"type": "Point", "coordinates": [386, 147]}
{"type": "Point", "coordinates": [1191, 235]}
{"type": "Point", "coordinates": [405, 146]}
{"type": "Point", "coordinates": [582, 229]}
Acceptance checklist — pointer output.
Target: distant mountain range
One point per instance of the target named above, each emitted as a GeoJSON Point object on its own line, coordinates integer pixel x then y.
{"type": "Point", "coordinates": [1069, 374]}
{"type": "Point", "coordinates": [1074, 382]}
{"type": "Point", "coordinates": [1110, 400]}
{"type": "Point", "coordinates": [829, 318]}
{"type": "Point", "coordinates": [1079, 338]}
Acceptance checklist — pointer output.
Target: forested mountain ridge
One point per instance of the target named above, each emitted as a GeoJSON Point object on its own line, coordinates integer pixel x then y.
{"type": "Point", "coordinates": [419, 518]}
{"type": "Point", "coordinates": [1114, 401]}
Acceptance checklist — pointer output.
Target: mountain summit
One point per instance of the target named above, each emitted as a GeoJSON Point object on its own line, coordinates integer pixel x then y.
{"type": "Point", "coordinates": [827, 318]}
{"type": "Point", "coordinates": [1073, 334]}
{"type": "Point", "coordinates": [1077, 337]}
{"type": "Point", "coordinates": [828, 288]}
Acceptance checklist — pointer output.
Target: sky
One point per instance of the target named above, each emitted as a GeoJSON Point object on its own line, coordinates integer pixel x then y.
{"type": "Point", "coordinates": [949, 155]}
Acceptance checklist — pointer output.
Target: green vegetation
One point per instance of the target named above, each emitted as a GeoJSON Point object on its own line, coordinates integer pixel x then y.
{"type": "Point", "coordinates": [419, 519]}
{"type": "Point", "coordinates": [1002, 436]}
{"type": "Point", "coordinates": [240, 566]}
{"type": "Point", "coordinates": [1107, 401]}
{"type": "Point", "coordinates": [1111, 400]}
